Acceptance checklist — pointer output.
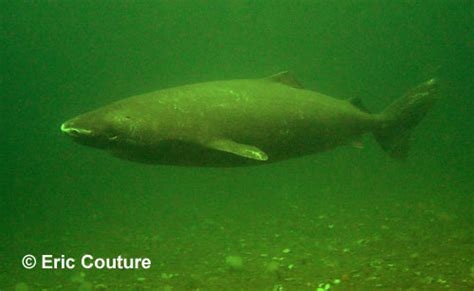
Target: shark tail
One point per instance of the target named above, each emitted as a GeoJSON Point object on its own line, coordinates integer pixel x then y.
{"type": "Point", "coordinates": [399, 119]}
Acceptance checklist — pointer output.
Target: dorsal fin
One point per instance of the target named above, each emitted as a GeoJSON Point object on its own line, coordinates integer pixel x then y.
{"type": "Point", "coordinates": [357, 102]}
{"type": "Point", "coordinates": [286, 78]}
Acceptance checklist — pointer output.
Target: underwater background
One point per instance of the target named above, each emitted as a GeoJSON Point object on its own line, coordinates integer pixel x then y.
{"type": "Point", "coordinates": [345, 219]}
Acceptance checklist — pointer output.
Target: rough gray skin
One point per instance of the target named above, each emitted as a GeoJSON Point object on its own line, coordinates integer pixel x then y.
{"type": "Point", "coordinates": [242, 122]}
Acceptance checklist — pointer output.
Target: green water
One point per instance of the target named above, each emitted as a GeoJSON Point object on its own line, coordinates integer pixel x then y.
{"type": "Point", "coordinates": [352, 218]}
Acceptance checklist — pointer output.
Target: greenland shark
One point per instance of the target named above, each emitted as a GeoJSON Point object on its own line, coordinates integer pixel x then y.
{"type": "Point", "coordinates": [244, 122]}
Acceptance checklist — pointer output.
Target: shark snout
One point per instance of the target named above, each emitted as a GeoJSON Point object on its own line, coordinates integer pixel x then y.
{"type": "Point", "coordinates": [69, 129]}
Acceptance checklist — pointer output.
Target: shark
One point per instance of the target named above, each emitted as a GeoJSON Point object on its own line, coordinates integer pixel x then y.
{"type": "Point", "coordinates": [245, 122]}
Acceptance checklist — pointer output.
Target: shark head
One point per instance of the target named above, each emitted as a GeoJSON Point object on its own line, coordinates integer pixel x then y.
{"type": "Point", "coordinates": [104, 128]}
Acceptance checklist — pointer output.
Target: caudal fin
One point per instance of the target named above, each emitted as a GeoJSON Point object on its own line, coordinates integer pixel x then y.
{"type": "Point", "coordinates": [398, 120]}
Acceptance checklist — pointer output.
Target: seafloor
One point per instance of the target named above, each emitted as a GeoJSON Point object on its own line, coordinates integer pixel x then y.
{"type": "Point", "coordinates": [248, 243]}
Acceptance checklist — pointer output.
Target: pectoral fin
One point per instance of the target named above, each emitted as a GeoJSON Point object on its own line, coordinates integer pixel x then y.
{"type": "Point", "coordinates": [243, 150]}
